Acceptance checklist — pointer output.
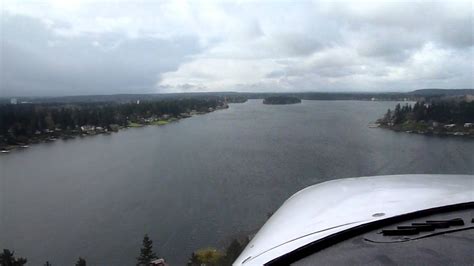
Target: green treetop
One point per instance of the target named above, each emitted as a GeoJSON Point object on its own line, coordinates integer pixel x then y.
{"type": "Point", "coordinates": [146, 252]}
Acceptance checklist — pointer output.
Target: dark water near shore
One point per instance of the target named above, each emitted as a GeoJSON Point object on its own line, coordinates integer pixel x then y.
{"type": "Point", "coordinates": [197, 182]}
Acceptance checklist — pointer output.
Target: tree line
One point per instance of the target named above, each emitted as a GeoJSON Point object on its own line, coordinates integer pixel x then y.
{"type": "Point", "coordinates": [455, 112]}
{"type": "Point", "coordinates": [28, 119]}
{"type": "Point", "coordinates": [147, 255]}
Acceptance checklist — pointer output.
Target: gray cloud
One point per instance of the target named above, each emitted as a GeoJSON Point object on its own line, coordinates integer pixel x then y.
{"type": "Point", "coordinates": [35, 61]}
{"type": "Point", "coordinates": [98, 47]}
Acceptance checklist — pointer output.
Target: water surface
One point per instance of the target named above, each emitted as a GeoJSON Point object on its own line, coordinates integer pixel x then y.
{"type": "Point", "coordinates": [197, 182]}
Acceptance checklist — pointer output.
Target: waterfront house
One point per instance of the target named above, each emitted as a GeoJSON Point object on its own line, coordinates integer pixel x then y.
{"type": "Point", "coordinates": [100, 130]}
{"type": "Point", "coordinates": [468, 125]}
{"type": "Point", "coordinates": [449, 126]}
{"type": "Point", "coordinates": [88, 129]}
{"type": "Point", "coordinates": [159, 262]}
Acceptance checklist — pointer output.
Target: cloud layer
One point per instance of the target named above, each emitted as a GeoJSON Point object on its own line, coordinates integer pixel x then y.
{"type": "Point", "coordinates": [103, 47]}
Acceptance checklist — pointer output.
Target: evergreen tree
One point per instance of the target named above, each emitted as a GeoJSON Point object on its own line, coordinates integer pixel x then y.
{"type": "Point", "coordinates": [146, 252]}
{"type": "Point", "coordinates": [81, 262]}
{"type": "Point", "coordinates": [47, 263]}
{"type": "Point", "coordinates": [388, 116]}
{"type": "Point", "coordinates": [7, 258]}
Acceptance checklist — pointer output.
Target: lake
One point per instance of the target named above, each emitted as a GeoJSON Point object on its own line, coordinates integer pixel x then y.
{"type": "Point", "coordinates": [200, 181]}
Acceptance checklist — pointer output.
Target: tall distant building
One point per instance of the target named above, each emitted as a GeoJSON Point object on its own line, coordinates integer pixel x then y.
{"type": "Point", "coordinates": [13, 101]}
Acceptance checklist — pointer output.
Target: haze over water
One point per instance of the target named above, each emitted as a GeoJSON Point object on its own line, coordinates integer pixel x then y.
{"type": "Point", "coordinates": [197, 182]}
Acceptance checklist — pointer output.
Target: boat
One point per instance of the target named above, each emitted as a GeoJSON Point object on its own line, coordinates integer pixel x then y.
{"type": "Point", "coordinates": [373, 220]}
{"type": "Point", "coordinates": [4, 151]}
{"type": "Point", "coordinates": [374, 125]}
{"type": "Point", "coordinates": [24, 146]}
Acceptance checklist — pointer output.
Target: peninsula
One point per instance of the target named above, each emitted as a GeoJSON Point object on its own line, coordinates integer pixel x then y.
{"type": "Point", "coordinates": [23, 124]}
{"type": "Point", "coordinates": [445, 117]}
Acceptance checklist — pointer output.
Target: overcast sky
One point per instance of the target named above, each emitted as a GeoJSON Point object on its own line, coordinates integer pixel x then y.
{"type": "Point", "coordinates": [68, 47]}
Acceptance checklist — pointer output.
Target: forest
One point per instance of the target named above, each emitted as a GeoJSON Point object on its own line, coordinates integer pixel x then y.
{"type": "Point", "coordinates": [438, 117]}
{"type": "Point", "coordinates": [30, 122]}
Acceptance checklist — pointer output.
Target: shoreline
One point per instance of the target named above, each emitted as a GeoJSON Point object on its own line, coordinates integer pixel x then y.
{"type": "Point", "coordinates": [440, 132]}
{"type": "Point", "coordinates": [91, 130]}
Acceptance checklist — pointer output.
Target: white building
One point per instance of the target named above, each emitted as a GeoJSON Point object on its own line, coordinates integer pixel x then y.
{"type": "Point", "coordinates": [159, 262]}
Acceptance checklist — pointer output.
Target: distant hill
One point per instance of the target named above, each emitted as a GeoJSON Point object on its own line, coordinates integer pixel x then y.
{"type": "Point", "coordinates": [235, 97]}
{"type": "Point", "coordinates": [442, 92]}
{"type": "Point", "coordinates": [126, 98]}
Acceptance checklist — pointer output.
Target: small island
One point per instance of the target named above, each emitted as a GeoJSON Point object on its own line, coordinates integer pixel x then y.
{"type": "Point", "coordinates": [281, 100]}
